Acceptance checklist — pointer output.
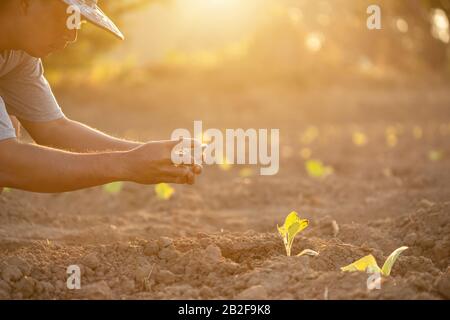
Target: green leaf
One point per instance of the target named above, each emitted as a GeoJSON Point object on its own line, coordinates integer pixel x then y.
{"type": "Point", "coordinates": [113, 188]}
{"type": "Point", "coordinates": [367, 263]}
{"type": "Point", "coordinates": [292, 226]}
{"type": "Point", "coordinates": [164, 191]}
{"type": "Point", "coordinates": [387, 267]}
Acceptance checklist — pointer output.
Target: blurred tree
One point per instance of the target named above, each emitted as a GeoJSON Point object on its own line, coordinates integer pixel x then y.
{"type": "Point", "coordinates": [442, 4]}
{"type": "Point", "coordinates": [418, 14]}
{"type": "Point", "coordinates": [309, 37]}
{"type": "Point", "coordinates": [331, 37]}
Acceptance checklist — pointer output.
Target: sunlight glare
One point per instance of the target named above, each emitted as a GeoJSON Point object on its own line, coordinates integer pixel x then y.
{"type": "Point", "coordinates": [440, 28]}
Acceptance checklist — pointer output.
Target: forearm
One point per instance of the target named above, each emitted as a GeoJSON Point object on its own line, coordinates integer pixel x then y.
{"type": "Point", "coordinates": [41, 169]}
{"type": "Point", "coordinates": [70, 135]}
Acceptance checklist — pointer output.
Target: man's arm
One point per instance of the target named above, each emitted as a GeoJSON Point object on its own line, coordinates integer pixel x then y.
{"type": "Point", "coordinates": [70, 135]}
{"type": "Point", "coordinates": [42, 169]}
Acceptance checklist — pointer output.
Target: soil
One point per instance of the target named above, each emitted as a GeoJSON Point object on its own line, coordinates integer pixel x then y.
{"type": "Point", "coordinates": [218, 239]}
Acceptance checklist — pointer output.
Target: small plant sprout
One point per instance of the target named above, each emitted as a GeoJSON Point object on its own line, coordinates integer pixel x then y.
{"type": "Point", "coordinates": [317, 169]}
{"type": "Point", "coordinates": [6, 190]}
{"type": "Point", "coordinates": [113, 188]}
{"type": "Point", "coordinates": [164, 191]}
{"type": "Point", "coordinates": [291, 227]}
{"type": "Point", "coordinates": [369, 264]}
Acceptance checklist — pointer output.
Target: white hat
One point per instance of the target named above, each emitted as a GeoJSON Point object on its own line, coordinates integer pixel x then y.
{"type": "Point", "coordinates": [90, 10]}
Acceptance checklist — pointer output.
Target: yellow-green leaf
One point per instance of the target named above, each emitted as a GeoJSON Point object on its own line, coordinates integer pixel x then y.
{"type": "Point", "coordinates": [387, 267]}
{"type": "Point", "coordinates": [113, 188]}
{"type": "Point", "coordinates": [292, 226]}
{"type": "Point", "coordinates": [316, 169]}
{"type": "Point", "coordinates": [164, 191]}
{"type": "Point", "coordinates": [6, 190]}
{"type": "Point", "coordinates": [367, 263]}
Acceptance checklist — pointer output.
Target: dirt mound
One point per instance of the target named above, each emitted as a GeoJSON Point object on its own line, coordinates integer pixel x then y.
{"type": "Point", "coordinates": [240, 266]}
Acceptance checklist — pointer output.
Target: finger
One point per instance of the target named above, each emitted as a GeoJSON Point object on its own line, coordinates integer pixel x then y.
{"type": "Point", "coordinates": [198, 169]}
{"type": "Point", "coordinates": [187, 176]}
{"type": "Point", "coordinates": [176, 180]}
{"type": "Point", "coordinates": [196, 165]}
{"type": "Point", "coordinates": [176, 171]}
{"type": "Point", "coordinates": [189, 143]}
{"type": "Point", "coordinates": [182, 143]}
{"type": "Point", "coordinates": [170, 144]}
{"type": "Point", "coordinates": [195, 168]}
{"type": "Point", "coordinates": [191, 178]}
{"type": "Point", "coordinates": [186, 158]}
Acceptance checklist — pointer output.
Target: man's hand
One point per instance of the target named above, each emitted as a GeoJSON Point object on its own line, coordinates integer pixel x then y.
{"type": "Point", "coordinates": [144, 163]}
{"type": "Point", "coordinates": [41, 169]}
{"type": "Point", "coordinates": [151, 163]}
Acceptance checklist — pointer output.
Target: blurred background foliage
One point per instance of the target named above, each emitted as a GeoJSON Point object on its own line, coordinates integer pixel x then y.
{"type": "Point", "coordinates": [298, 39]}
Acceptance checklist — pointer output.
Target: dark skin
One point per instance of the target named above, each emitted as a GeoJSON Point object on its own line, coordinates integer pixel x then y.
{"type": "Point", "coordinates": [69, 155]}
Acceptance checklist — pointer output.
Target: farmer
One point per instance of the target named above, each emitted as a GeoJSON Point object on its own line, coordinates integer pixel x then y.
{"type": "Point", "coordinates": [67, 155]}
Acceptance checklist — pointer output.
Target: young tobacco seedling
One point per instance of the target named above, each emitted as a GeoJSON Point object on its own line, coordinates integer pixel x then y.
{"type": "Point", "coordinates": [369, 264]}
{"type": "Point", "coordinates": [317, 169]}
{"type": "Point", "coordinates": [164, 191]}
{"type": "Point", "coordinates": [292, 226]}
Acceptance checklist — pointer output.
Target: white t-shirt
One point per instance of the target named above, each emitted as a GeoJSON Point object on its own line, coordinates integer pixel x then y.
{"type": "Point", "coordinates": [24, 92]}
